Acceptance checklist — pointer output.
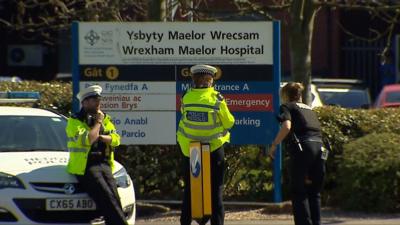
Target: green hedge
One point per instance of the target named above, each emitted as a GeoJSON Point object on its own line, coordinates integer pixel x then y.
{"type": "Point", "coordinates": [248, 175]}
{"type": "Point", "coordinates": [341, 126]}
{"type": "Point", "coordinates": [157, 172]}
{"type": "Point", "coordinates": [370, 173]}
{"type": "Point", "coordinates": [53, 95]}
{"type": "Point", "coordinates": [352, 134]}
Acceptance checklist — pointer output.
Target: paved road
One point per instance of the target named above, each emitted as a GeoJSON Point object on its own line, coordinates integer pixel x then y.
{"type": "Point", "coordinates": [329, 217]}
{"type": "Point", "coordinates": [337, 221]}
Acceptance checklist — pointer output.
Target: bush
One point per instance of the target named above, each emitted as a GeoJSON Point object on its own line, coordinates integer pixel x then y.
{"type": "Point", "coordinates": [155, 170]}
{"type": "Point", "coordinates": [341, 126]}
{"type": "Point", "coordinates": [248, 174]}
{"type": "Point", "coordinates": [157, 174]}
{"type": "Point", "coordinates": [53, 95]}
{"type": "Point", "coordinates": [370, 174]}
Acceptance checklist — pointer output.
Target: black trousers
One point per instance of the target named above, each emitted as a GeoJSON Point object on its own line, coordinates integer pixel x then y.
{"type": "Point", "coordinates": [100, 185]}
{"type": "Point", "coordinates": [307, 166]}
{"type": "Point", "coordinates": [217, 185]}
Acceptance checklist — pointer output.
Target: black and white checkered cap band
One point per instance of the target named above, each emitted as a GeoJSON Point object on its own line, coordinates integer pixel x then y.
{"type": "Point", "coordinates": [203, 71]}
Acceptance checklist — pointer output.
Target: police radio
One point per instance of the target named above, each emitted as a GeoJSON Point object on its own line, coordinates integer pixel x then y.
{"type": "Point", "coordinates": [200, 180]}
{"type": "Point", "coordinates": [90, 120]}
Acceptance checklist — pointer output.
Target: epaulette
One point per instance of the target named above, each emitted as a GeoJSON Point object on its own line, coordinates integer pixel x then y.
{"type": "Point", "coordinates": [75, 115]}
{"type": "Point", "coordinates": [220, 97]}
{"type": "Point", "coordinates": [184, 93]}
{"type": "Point", "coordinates": [78, 115]}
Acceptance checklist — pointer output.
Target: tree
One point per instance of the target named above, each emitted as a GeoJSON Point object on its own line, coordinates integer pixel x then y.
{"type": "Point", "coordinates": [300, 23]}
{"type": "Point", "coordinates": [33, 17]}
{"type": "Point", "coordinates": [302, 14]}
{"type": "Point", "coordinates": [45, 18]}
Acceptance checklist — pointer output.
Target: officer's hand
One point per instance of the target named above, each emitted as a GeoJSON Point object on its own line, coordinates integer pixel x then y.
{"type": "Point", "coordinates": [271, 152]}
{"type": "Point", "coordinates": [100, 116]}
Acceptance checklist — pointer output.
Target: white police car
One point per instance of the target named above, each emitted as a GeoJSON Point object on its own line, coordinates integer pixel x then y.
{"type": "Point", "coordinates": [34, 185]}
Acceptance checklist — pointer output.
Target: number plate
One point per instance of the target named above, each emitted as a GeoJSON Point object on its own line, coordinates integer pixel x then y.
{"type": "Point", "coordinates": [60, 204]}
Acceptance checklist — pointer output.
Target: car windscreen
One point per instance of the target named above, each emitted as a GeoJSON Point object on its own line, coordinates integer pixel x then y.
{"type": "Point", "coordinates": [393, 97]}
{"type": "Point", "coordinates": [346, 98]}
{"type": "Point", "coordinates": [32, 133]}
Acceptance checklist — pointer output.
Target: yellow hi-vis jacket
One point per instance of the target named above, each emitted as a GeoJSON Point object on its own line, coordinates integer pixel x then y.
{"type": "Point", "coordinates": [205, 118]}
{"type": "Point", "coordinates": [79, 145]}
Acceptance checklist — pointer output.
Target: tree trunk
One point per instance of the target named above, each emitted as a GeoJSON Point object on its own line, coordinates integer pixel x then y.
{"type": "Point", "coordinates": [156, 10]}
{"type": "Point", "coordinates": [302, 15]}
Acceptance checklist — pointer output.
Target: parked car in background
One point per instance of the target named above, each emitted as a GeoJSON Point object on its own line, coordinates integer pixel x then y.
{"type": "Point", "coordinates": [388, 97]}
{"type": "Point", "coordinates": [10, 79]}
{"type": "Point", "coordinates": [347, 93]}
{"type": "Point", "coordinates": [63, 77]}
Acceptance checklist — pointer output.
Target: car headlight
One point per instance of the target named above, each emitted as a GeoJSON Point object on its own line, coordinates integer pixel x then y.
{"type": "Point", "coordinates": [122, 178]}
{"type": "Point", "coordinates": [10, 181]}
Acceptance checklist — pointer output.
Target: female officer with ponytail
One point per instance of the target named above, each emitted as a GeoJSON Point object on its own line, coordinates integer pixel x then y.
{"type": "Point", "coordinates": [302, 131]}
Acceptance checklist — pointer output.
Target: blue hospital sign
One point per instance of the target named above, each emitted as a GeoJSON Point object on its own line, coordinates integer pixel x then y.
{"type": "Point", "coordinates": [143, 69]}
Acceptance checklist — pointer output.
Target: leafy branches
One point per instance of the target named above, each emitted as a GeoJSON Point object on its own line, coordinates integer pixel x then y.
{"type": "Point", "coordinates": [31, 18]}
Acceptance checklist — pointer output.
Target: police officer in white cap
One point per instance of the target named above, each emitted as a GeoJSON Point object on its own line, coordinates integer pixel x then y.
{"type": "Point", "coordinates": [205, 118]}
{"type": "Point", "coordinates": [91, 141]}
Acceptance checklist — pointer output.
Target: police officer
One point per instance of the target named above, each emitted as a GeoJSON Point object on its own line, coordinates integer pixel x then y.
{"type": "Point", "coordinates": [302, 131]}
{"type": "Point", "coordinates": [91, 139]}
{"type": "Point", "coordinates": [205, 118]}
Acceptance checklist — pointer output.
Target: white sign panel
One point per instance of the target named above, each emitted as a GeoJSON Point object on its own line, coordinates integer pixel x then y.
{"type": "Point", "coordinates": [143, 112]}
{"type": "Point", "coordinates": [136, 96]}
{"type": "Point", "coordinates": [175, 43]}
{"type": "Point", "coordinates": [142, 65]}
{"type": "Point", "coordinates": [146, 127]}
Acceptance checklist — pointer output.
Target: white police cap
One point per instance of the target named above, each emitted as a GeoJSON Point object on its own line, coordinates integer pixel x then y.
{"type": "Point", "coordinates": [203, 70]}
{"type": "Point", "coordinates": [94, 90]}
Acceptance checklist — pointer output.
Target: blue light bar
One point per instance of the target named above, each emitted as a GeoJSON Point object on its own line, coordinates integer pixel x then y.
{"type": "Point", "coordinates": [23, 94]}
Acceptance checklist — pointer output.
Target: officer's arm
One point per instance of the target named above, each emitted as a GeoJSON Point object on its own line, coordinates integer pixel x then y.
{"type": "Point", "coordinates": [94, 133]}
{"type": "Point", "coordinates": [113, 138]}
{"type": "Point", "coordinates": [105, 138]}
{"type": "Point", "coordinates": [285, 118]}
{"type": "Point", "coordinates": [226, 116]}
{"type": "Point", "coordinates": [95, 130]}
{"type": "Point", "coordinates": [283, 132]}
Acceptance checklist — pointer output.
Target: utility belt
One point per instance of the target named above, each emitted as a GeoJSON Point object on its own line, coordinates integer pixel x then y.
{"type": "Point", "coordinates": [311, 139]}
{"type": "Point", "coordinates": [298, 143]}
{"type": "Point", "coordinates": [96, 157]}
{"type": "Point", "coordinates": [99, 154]}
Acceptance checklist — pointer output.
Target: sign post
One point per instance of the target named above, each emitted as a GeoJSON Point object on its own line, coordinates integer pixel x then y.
{"type": "Point", "coordinates": [200, 180]}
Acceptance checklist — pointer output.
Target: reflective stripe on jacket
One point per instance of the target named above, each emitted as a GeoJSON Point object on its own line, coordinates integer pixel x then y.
{"type": "Point", "coordinates": [205, 118]}
{"type": "Point", "coordinates": [79, 145]}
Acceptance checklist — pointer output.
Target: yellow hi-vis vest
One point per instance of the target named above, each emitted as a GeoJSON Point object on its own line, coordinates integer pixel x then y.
{"type": "Point", "coordinates": [205, 118]}
{"type": "Point", "coordinates": [79, 145]}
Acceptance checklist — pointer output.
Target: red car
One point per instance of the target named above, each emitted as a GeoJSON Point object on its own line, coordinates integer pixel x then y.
{"type": "Point", "coordinates": [389, 96]}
